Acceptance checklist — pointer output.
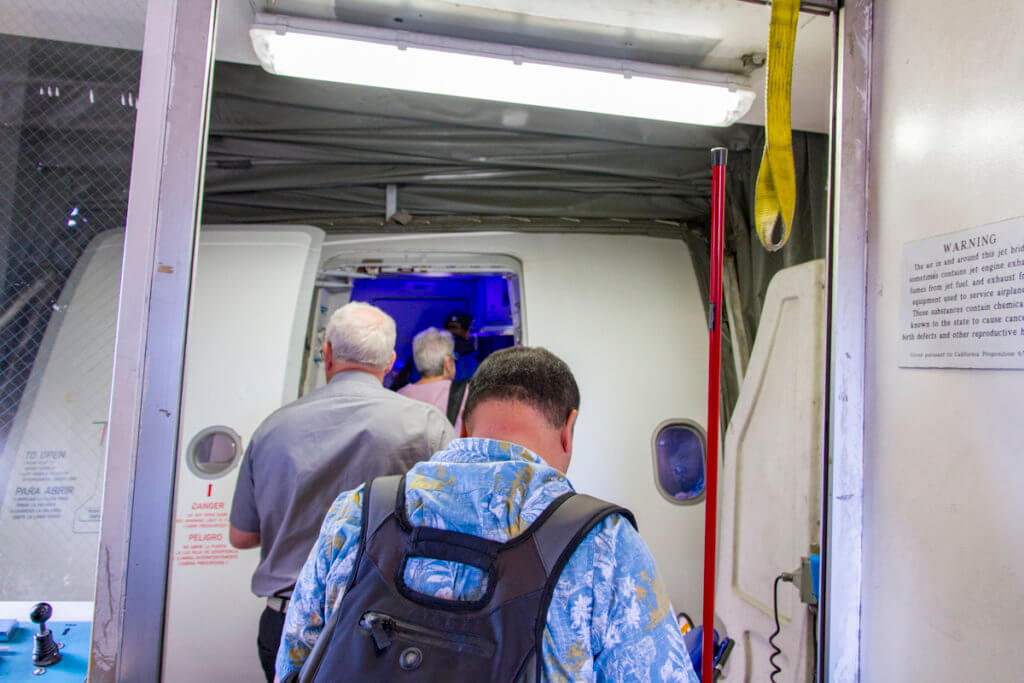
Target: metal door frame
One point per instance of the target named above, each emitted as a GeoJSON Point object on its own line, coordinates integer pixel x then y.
{"type": "Point", "coordinates": [843, 467]}
{"type": "Point", "coordinates": [164, 205]}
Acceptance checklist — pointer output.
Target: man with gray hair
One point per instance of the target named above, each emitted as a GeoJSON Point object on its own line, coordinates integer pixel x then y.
{"type": "Point", "coordinates": [330, 440]}
{"type": "Point", "coordinates": [433, 350]}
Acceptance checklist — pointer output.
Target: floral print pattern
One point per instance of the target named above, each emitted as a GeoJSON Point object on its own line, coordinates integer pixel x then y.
{"type": "Point", "coordinates": [609, 619]}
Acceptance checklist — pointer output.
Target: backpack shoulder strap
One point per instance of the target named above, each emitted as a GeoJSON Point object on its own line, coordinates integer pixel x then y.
{"type": "Point", "coordinates": [557, 539]}
{"type": "Point", "coordinates": [379, 502]}
{"type": "Point", "coordinates": [455, 394]}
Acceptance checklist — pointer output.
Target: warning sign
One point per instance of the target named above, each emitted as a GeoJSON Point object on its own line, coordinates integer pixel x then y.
{"type": "Point", "coordinates": [43, 486]}
{"type": "Point", "coordinates": [203, 534]}
{"type": "Point", "coordinates": [962, 299]}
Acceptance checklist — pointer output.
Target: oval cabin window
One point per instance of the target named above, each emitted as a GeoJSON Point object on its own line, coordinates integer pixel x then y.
{"type": "Point", "coordinates": [214, 452]}
{"type": "Point", "coordinates": [680, 461]}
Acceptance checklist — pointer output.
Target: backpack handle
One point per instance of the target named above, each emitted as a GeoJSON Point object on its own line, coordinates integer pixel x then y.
{"type": "Point", "coordinates": [450, 546]}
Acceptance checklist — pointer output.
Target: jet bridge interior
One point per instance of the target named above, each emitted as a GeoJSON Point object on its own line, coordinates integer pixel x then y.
{"type": "Point", "coordinates": [583, 233]}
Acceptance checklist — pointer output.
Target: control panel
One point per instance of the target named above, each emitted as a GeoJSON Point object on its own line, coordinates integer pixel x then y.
{"type": "Point", "coordinates": [50, 651]}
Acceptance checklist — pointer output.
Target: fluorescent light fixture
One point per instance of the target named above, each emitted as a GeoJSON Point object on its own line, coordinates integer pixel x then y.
{"type": "Point", "coordinates": [401, 60]}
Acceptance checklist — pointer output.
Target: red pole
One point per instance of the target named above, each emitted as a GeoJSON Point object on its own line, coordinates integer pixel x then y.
{"type": "Point", "coordinates": [718, 156]}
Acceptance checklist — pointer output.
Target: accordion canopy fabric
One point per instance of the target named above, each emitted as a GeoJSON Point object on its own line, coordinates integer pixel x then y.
{"type": "Point", "coordinates": [286, 149]}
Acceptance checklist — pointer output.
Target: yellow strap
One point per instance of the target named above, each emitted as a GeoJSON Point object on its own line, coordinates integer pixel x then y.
{"type": "Point", "coordinates": [775, 195]}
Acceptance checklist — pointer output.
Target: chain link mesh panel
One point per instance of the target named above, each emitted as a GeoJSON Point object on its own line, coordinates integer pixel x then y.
{"type": "Point", "coordinates": [67, 122]}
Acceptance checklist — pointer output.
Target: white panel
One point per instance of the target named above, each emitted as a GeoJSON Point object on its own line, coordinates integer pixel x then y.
{"type": "Point", "coordinates": [943, 510]}
{"type": "Point", "coordinates": [59, 431]}
{"type": "Point", "coordinates": [771, 479]}
{"type": "Point", "coordinates": [250, 305]}
{"type": "Point", "coordinates": [625, 314]}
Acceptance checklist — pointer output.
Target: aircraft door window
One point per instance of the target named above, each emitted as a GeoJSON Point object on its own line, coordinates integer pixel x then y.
{"type": "Point", "coordinates": [214, 452]}
{"type": "Point", "coordinates": [679, 448]}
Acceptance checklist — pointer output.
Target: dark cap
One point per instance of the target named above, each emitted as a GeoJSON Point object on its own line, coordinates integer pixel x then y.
{"type": "Point", "coordinates": [462, 320]}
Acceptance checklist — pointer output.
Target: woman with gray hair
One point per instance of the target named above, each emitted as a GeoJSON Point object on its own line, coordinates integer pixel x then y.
{"type": "Point", "coordinates": [433, 351]}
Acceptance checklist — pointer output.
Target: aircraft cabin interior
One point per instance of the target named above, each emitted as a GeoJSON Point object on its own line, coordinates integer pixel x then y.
{"type": "Point", "coordinates": [796, 354]}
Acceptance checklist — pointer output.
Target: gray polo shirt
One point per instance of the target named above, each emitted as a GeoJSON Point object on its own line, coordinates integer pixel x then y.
{"type": "Point", "coordinates": [306, 453]}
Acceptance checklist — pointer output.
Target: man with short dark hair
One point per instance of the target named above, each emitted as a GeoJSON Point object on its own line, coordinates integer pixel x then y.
{"type": "Point", "coordinates": [601, 610]}
{"type": "Point", "coordinates": [303, 454]}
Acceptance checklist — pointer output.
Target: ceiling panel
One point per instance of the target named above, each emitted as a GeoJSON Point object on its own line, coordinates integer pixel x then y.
{"type": "Point", "coordinates": [711, 34]}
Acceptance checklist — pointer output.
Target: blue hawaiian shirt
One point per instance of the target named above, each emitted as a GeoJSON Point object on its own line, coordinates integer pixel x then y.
{"type": "Point", "coordinates": [610, 618]}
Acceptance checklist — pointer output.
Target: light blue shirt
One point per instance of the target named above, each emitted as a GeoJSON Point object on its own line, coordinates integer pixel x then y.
{"type": "Point", "coordinates": [610, 618]}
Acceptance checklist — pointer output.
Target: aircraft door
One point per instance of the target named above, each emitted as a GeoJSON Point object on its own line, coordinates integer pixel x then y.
{"type": "Point", "coordinates": [250, 307]}
{"type": "Point", "coordinates": [771, 482]}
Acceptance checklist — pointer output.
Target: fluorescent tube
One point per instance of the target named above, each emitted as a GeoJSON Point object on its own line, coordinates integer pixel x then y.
{"type": "Point", "coordinates": [360, 55]}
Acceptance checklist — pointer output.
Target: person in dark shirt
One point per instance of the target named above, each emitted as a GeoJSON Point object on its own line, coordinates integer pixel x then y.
{"type": "Point", "coordinates": [467, 358]}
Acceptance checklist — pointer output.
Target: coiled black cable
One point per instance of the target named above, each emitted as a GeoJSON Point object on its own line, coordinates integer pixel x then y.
{"type": "Point", "coordinates": [776, 669]}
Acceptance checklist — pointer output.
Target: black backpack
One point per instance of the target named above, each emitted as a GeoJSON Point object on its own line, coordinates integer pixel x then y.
{"type": "Point", "coordinates": [384, 630]}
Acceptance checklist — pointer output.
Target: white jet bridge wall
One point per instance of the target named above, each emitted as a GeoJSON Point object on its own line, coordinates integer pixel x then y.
{"type": "Point", "coordinates": [943, 586]}
{"type": "Point", "coordinates": [625, 313]}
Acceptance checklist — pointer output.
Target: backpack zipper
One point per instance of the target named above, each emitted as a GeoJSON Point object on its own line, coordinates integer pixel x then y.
{"type": "Point", "coordinates": [384, 628]}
